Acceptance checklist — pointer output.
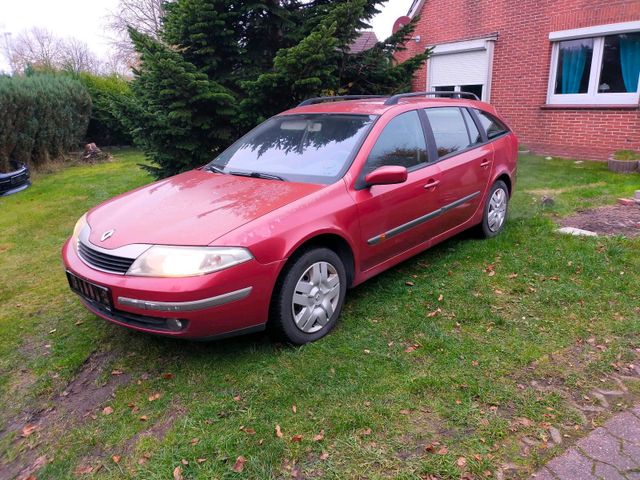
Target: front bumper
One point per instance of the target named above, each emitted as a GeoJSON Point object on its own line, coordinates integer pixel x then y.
{"type": "Point", "coordinates": [232, 300]}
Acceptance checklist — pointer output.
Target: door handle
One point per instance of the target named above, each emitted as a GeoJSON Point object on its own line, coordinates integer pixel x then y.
{"type": "Point", "coordinates": [485, 163]}
{"type": "Point", "coordinates": [432, 184]}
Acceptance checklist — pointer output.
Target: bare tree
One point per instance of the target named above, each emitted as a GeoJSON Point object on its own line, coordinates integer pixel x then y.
{"type": "Point", "coordinates": [77, 57]}
{"type": "Point", "coordinates": [143, 15]}
{"type": "Point", "coordinates": [37, 47]}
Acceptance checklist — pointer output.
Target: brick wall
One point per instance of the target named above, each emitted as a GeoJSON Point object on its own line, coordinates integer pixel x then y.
{"type": "Point", "coordinates": [521, 65]}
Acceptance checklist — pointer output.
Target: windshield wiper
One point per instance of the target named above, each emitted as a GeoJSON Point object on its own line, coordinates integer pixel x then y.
{"type": "Point", "coordinates": [213, 168]}
{"type": "Point", "coordinates": [267, 176]}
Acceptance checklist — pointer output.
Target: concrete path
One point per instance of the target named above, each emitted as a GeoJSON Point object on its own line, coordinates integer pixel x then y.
{"type": "Point", "coordinates": [610, 452]}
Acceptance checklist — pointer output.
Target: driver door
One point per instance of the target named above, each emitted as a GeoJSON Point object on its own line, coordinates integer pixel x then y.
{"type": "Point", "coordinates": [395, 218]}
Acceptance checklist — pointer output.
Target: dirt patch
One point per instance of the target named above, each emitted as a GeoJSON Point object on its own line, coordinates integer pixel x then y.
{"type": "Point", "coordinates": [82, 396]}
{"type": "Point", "coordinates": [550, 192]}
{"type": "Point", "coordinates": [609, 220]}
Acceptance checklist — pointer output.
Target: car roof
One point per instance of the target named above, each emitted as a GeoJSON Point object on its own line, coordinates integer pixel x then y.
{"type": "Point", "coordinates": [376, 106]}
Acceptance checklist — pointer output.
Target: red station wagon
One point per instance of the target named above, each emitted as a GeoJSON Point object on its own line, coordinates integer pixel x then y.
{"type": "Point", "coordinates": [313, 201]}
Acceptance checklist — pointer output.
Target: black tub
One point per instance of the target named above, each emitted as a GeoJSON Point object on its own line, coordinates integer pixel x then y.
{"type": "Point", "coordinates": [15, 181]}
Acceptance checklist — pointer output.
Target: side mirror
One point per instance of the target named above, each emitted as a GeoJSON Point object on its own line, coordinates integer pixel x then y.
{"type": "Point", "coordinates": [387, 175]}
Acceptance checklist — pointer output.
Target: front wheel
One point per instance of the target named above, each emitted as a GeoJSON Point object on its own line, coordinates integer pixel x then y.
{"type": "Point", "coordinates": [309, 297]}
{"type": "Point", "coordinates": [495, 210]}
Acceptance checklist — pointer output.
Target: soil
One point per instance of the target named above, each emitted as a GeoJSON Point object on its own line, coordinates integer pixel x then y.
{"type": "Point", "coordinates": [609, 220]}
{"type": "Point", "coordinates": [82, 397]}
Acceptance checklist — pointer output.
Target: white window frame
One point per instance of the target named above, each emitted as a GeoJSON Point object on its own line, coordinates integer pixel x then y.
{"type": "Point", "coordinates": [486, 44]}
{"type": "Point", "coordinates": [592, 97]}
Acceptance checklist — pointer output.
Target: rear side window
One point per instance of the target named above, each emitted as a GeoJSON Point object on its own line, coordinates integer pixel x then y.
{"type": "Point", "coordinates": [474, 133]}
{"type": "Point", "coordinates": [449, 129]}
{"type": "Point", "coordinates": [400, 143]}
{"type": "Point", "coordinates": [491, 124]}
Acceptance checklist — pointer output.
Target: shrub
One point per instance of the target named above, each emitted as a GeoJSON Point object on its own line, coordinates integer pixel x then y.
{"type": "Point", "coordinates": [43, 116]}
{"type": "Point", "coordinates": [104, 127]}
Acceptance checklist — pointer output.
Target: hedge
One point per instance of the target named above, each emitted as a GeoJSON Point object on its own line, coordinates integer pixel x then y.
{"type": "Point", "coordinates": [104, 127]}
{"type": "Point", "coordinates": [42, 117]}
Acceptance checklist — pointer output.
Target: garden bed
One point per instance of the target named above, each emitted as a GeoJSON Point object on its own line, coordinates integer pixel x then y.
{"type": "Point", "coordinates": [608, 220]}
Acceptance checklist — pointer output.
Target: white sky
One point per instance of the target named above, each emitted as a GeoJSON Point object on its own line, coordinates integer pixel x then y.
{"type": "Point", "coordinates": [85, 20]}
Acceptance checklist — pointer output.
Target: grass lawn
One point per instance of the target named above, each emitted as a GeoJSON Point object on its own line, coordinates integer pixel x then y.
{"type": "Point", "coordinates": [462, 360]}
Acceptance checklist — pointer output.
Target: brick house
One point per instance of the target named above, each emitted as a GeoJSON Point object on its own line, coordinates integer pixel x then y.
{"type": "Point", "coordinates": [563, 73]}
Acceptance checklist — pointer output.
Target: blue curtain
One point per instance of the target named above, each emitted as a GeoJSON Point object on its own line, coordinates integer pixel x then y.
{"type": "Point", "coordinates": [573, 62]}
{"type": "Point", "coordinates": [630, 61]}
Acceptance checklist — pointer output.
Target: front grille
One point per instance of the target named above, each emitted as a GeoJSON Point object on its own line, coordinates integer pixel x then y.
{"type": "Point", "coordinates": [104, 261]}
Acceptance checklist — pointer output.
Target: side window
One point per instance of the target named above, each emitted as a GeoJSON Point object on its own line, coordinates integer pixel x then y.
{"type": "Point", "coordinates": [400, 143]}
{"type": "Point", "coordinates": [474, 133]}
{"type": "Point", "coordinates": [449, 129]}
{"type": "Point", "coordinates": [491, 124]}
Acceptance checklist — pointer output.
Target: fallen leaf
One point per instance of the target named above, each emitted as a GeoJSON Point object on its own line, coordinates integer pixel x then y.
{"type": "Point", "coordinates": [278, 431]}
{"type": "Point", "coordinates": [324, 456]}
{"type": "Point", "coordinates": [83, 469]}
{"type": "Point", "coordinates": [194, 441]}
{"type": "Point", "coordinates": [443, 451]}
{"type": "Point", "coordinates": [249, 431]}
{"type": "Point", "coordinates": [107, 411]}
{"type": "Point", "coordinates": [201, 460]}
{"type": "Point", "coordinates": [474, 363]}
{"type": "Point", "coordinates": [412, 348]}
{"type": "Point", "coordinates": [294, 408]}
{"type": "Point", "coordinates": [404, 411]}
{"type": "Point", "coordinates": [429, 447]}
{"type": "Point", "coordinates": [79, 322]}
{"type": "Point", "coordinates": [239, 466]}
{"type": "Point", "coordinates": [177, 473]}
{"type": "Point", "coordinates": [513, 275]}
{"type": "Point", "coordinates": [461, 462]}
{"type": "Point", "coordinates": [440, 298]}
{"type": "Point", "coordinates": [237, 398]}
{"type": "Point", "coordinates": [367, 351]}
{"type": "Point", "coordinates": [498, 292]}
{"type": "Point", "coordinates": [53, 331]}
{"type": "Point", "coordinates": [434, 313]}
{"type": "Point", "coordinates": [478, 457]}
{"type": "Point", "coordinates": [319, 437]}
{"type": "Point", "coordinates": [155, 397]}
{"type": "Point", "coordinates": [116, 458]}
{"type": "Point", "coordinates": [184, 461]}
{"type": "Point", "coordinates": [167, 376]}
{"type": "Point", "coordinates": [117, 372]}
{"type": "Point", "coordinates": [409, 284]}
{"type": "Point", "coordinates": [366, 431]}
{"type": "Point", "coordinates": [142, 460]}
{"type": "Point", "coordinates": [144, 418]}
{"type": "Point", "coordinates": [525, 422]}
{"type": "Point", "coordinates": [28, 430]}
{"type": "Point", "coordinates": [458, 401]}
{"type": "Point", "coordinates": [296, 438]}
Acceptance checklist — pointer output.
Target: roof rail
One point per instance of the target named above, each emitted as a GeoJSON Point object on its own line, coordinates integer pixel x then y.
{"type": "Point", "coordinates": [311, 101]}
{"type": "Point", "coordinates": [396, 98]}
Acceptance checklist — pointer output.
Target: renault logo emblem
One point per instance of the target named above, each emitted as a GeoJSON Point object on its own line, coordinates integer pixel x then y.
{"type": "Point", "coordinates": [107, 234]}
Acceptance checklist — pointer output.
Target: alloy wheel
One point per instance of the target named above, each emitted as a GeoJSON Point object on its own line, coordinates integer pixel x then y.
{"type": "Point", "coordinates": [316, 297]}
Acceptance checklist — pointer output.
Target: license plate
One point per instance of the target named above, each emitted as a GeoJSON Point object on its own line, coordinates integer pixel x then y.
{"type": "Point", "coordinates": [90, 291]}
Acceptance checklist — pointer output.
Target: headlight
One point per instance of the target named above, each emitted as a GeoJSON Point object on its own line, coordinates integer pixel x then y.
{"type": "Point", "coordinates": [80, 224]}
{"type": "Point", "coordinates": [164, 261]}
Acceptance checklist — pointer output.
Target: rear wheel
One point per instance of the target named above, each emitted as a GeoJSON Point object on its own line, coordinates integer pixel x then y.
{"type": "Point", "coordinates": [495, 210]}
{"type": "Point", "coordinates": [309, 297]}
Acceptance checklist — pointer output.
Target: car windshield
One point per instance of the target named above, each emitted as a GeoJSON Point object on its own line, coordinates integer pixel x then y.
{"type": "Point", "coordinates": [313, 148]}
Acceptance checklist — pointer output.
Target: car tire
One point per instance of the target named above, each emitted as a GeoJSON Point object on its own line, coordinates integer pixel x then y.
{"type": "Point", "coordinates": [308, 297]}
{"type": "Point", "coordinates": [495, 210]}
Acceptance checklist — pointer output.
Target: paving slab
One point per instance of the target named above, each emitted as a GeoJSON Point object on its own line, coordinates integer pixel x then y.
{"type": "Point", "coordinates": [610, 452]}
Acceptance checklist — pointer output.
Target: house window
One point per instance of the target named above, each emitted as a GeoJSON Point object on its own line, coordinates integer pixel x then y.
{"type": "Point", "coordinates": [463, 66]}
{"type": "Point", "coordinates": [597, 68]}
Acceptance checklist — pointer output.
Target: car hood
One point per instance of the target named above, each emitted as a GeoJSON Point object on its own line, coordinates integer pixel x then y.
{"type": "Point", "coordinates": [193, 208]}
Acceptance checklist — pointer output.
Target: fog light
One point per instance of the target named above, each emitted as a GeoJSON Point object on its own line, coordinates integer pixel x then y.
{"type": "Point", "coordinates": [174, 324]}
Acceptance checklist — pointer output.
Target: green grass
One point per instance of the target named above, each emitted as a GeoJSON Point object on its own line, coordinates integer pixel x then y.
{"type": "Point", "coordinates": [464, 386]}
{"type": "Point", "coordinates": [628, 155]}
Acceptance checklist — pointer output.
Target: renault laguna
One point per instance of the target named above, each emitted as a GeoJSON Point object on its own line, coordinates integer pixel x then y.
{"type": "Point", "coordinates": [314, 201]}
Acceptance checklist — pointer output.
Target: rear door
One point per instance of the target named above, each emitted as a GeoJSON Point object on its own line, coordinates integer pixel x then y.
{"type": "Point", "coordinates": [394, 218]}
{"type": "Point", "coordinates": [465, 160]}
